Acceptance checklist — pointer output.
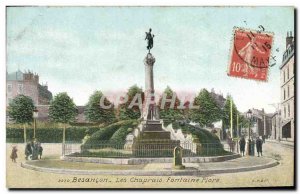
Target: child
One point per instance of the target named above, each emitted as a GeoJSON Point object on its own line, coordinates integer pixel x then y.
{"type": "Point", "coordinates": [14, 155]}
{"type": "Point", "coordinates": [40, 149]}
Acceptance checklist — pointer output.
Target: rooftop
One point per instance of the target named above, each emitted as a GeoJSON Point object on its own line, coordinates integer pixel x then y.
{"type": "Point", "coordinates": [287, 55]}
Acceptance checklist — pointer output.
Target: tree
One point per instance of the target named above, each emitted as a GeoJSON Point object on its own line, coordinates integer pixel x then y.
{"type": "Point", "coordinates": [95, 112]}
{"type": "Point", "coordinates": [243, 123]}
{"type": "Point", "coordinates": [125, 112]}
{"type": "Point", "coordinates": [208, 111]}
{"type": "Point", "coordinates": [62, 110]}
{"type": "Point", "coordinates": [168, 113]}
{"type": "Point", "coordinates": [21, 111]}
{"type": "Point", "coordinates": [226, 114]}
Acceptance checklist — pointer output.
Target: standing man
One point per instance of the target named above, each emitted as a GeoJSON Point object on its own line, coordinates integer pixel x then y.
{"type": "Point", "coordinates": [259, 143]}
{"type": "Point", "coordinates": [28, 150]}
{"type": "Point", "coordinates": [40, 150]}
{"type": "Point", "coordinates": [242, 145]}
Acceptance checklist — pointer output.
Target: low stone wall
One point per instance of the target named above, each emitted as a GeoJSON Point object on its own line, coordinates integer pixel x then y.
{"type": "Point", "coordinates": [135, 161]}
{"type": "Point", "coordinates": [164, 172]}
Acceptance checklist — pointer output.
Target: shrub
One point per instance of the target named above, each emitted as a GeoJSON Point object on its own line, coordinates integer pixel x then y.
{"type": "Point", "coordinates": [211, 143]}
{"type": "Point", "coordinates": [175, 125]}
{"type": "Point", "coordinates": [106, 133]}
{"type": "Point", "coordinates": [49, 135]}
{"type": "Point", "coordinates": [120, 134]}
{"type": "Point", "coordinates": [130, 130]}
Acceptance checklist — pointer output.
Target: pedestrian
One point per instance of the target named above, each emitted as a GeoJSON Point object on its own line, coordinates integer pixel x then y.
{"type": "Point", "coordinates": [242, 146]}
{"type": "Point", "coordinates": [28, 150]}
{"type": "Point", "coordinates": [263, 138]}
{"type": "Point", "coordinates": [40, 150]}
{"type": "Point", "coordinates": [230, 143]}
{"type": "Point", "coordinates": [259, 143]}
{"type": "Point", "coordinates": [14, 154]}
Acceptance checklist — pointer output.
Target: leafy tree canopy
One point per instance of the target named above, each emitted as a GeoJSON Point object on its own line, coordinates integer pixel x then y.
{"type": "Point", "coordinates": [21, 109]}
{"type": "Point", "coordinates": [208, 112]}
{"type": "Point", "coordinates": [226, 113]}
{"type": "Point", "coordinates": [96, 113]}
{"type": "Point", "coordinates": [126, 113]}
{"type": "Point", "coordinates": [62, 109]}
{"type": "Point", "coordinates": [168, 113]}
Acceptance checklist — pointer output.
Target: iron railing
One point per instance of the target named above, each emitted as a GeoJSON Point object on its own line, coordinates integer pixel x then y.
{"type": "Point", "coordinates": [150, 148]}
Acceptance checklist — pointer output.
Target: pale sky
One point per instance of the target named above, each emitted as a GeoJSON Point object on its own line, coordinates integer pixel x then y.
{"type": "Point", "coordinates": [82, 49]}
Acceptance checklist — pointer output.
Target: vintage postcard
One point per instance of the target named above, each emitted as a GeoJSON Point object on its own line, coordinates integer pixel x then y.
{"type": "Point", "coordinates": [150, 97]}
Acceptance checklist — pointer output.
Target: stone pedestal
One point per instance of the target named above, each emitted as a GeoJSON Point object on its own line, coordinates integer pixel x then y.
{"type": "Point", "coordinates": [154, 147]}
{"type": "Point", "coordinates": [152, 140]}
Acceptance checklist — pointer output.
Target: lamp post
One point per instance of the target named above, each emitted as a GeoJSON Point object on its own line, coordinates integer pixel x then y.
{"type": "Point", "coordinates": [35, 116]}
{"type": "Point", "coordinates": [249, 117]}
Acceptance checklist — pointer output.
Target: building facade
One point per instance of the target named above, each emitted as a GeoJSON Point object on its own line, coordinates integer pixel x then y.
{"type": "Point", "coordinates": [287, 73]}
{"type": "Point", "coordinates": [261, 123]}
{"type": "Point", "coordinates": [275, 134]}
{"type": "Point", "coordinates": [27, 84]}
{"type": "Point", "coordinates": [218, 97]}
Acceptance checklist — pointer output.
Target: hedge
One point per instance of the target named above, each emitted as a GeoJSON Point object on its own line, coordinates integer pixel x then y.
{"type": "Point", "coordinates": [49, 135]}
{"type": "Point", "coordinates": [120, 134]}
{"type": "Point", "coordinates": [203, 135]}
{"type": "Point", "coordinates": [105, 134]}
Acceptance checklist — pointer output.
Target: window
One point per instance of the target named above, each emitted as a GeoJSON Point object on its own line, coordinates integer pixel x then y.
{"type": "Point", "coordinates": [284, 112]}
{"type": "Point", "coordinates": [283, 94]}
{"type": "Point", "coordinates": [288, 73]}
{"type": "Point", "coordinates": [288, 94]}
{"type": "Point", "coordinates": [283, 76]}
{"type": "Point", "coordinates": [20, 88]}
{"type": "Point", "coordinates": [288, 110]}
{"type": "Point", "coordinates": [9, 88]}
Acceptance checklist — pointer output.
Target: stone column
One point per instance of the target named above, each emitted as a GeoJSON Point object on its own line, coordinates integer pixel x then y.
{"type": "Point", "coordinates": [149, 111]}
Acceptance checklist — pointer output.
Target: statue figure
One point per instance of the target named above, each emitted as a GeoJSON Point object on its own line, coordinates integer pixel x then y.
{"type": "Point", "coordinates": [149, 37]}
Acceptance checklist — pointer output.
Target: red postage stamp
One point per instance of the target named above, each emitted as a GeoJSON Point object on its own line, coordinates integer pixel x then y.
{"type": "Point", "coordinates": [250, 54]}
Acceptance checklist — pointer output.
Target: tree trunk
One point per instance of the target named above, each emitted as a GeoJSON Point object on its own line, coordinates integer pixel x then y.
{"type": "Point", "coordinates": [34, 128]}
{"type": "Point", "coordinates": [64, 140]}
{"type": "Point", "coordinates": [24, 126]}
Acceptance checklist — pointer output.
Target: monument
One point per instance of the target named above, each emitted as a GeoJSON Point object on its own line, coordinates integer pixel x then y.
{"type": "Point", "coordinates": [152, 140]}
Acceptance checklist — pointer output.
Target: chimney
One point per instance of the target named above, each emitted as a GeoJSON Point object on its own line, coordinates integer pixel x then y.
{"type": "Point", "coordinates": [289, 39]}
{"type": "Point", "coordinates": [36, 78]}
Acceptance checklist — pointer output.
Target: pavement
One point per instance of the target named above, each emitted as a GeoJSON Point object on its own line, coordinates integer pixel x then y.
{"type": "Point", "coordinates": [279, 175]}
{"type": "Point", "coordinates": [282, 142]}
